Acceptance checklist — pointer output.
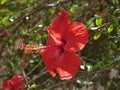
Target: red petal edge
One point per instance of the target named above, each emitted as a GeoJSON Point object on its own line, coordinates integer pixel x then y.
{"type": "Point", "coordinates": [67, 65]}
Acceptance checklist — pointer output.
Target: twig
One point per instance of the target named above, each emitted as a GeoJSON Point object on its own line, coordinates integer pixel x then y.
{"type": "Point", "coordinates": [41, 74]}
{"type": "Point", "coordinates": [99, 28]}
{"type": "Point", "coordinates": [47, 81]}
{"type": "Point", "coordinates": [89, 60]}
{"type": "Point", "coordinates": [34, 68]}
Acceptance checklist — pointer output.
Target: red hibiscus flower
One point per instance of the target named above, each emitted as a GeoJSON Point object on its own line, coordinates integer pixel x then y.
{"type": "Point", "coordinates": [65, 39]}
{"type": "Point", "coordinates": [13, 84]}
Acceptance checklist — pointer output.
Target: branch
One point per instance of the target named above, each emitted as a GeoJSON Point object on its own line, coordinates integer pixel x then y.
{"type": "Point", "coordinates": [34, 68]}
{"type": "Point", "coordinates": [35, 78]}
{"type": "Point", "coordinates": [89, 60]}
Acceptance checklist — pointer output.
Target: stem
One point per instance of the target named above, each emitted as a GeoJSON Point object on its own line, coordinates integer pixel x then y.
{"type": "Point", "coordinates": [29, 49]}
{"type": "Point", "coordinates": [37, 48]}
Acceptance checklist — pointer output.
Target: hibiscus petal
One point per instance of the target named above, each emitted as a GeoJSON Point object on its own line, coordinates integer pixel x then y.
{"type": "Point", "coordinates": [59, 25]}
{"type": "Point", "coordinates": [17, 82]}
{"type": "Point", "coordinates": [6, 85]}
{"type": "Point", "coordinates": [72, 46]}
{"type": "Point", "coordinates": [52, 41]}
{"type": "Point", "coordinates": [67, 65]}
{"type": "Point", "coordinates": [49, 55]}
{"type": "Point", "coordinates": [76, 37]}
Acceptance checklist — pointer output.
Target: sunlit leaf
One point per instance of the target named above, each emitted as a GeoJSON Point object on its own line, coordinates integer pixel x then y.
{"type": "Point", "coordinates": [90, 21]}
{"type": "Point", "coordinates": [110, 29]}
{"type": "Point", "coordinates": [73, 8]}
{"type": "Point", "coordinates": [85, 83]}
{"type": "Point", "coordinates": [98, 21]}
{"type": "Point", "coordinates": [5, 21]}
{"type": "Point", "coordinates": [116, 2]}
{"type": "Point", "coordinates": [4, 1]}
{"type": "Point", "coordinates": [3, 11]}
{"type": "Point", "coordinates": [94, 28]}
{"type": "Point", "coordinates": [53, 11]}
{"type": "Point", "coordinates": [97, 35]}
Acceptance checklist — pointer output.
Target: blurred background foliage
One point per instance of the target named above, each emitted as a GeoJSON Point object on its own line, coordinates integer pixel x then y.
{"type": "Point", "coordinates": [27, 21]}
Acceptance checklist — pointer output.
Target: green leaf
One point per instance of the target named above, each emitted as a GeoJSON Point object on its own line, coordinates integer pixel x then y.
{"type": "Point", "coordinates": [117, 11]}
{"type": "Point", "coordinates": [5, 21]}
{"type": "Point", "coordinates": [3, 12]}
{"type": "Point", "coordinates": [53, 11]}
{"type": "Point", "coordinates": [90, 21]}
{"type": "Point", "coordinates": [113, 20]}
{"type": "Point", "coordinates": [98, 21]}
{"type": "Point", "coordinates": [3, 2]}
{"type": "Point", "coordinates": [116, 2]}
{"type": "Point", "coordinates": [97, 35]}
{"type": "Point", "coordinates": [97, 66]}
{"type": "Point", "coordinates": [110, 29]}
{"type": "Point", "coordinates": [85, 83]}
{"type": "Point", "coordinates": [38, 38]}
{"type": "Point", "coordinates": [73, 8]}
{"type": "Point", "coordinates": [1, 40]}
{"type": "Point", "coordinates": [33, 86]}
